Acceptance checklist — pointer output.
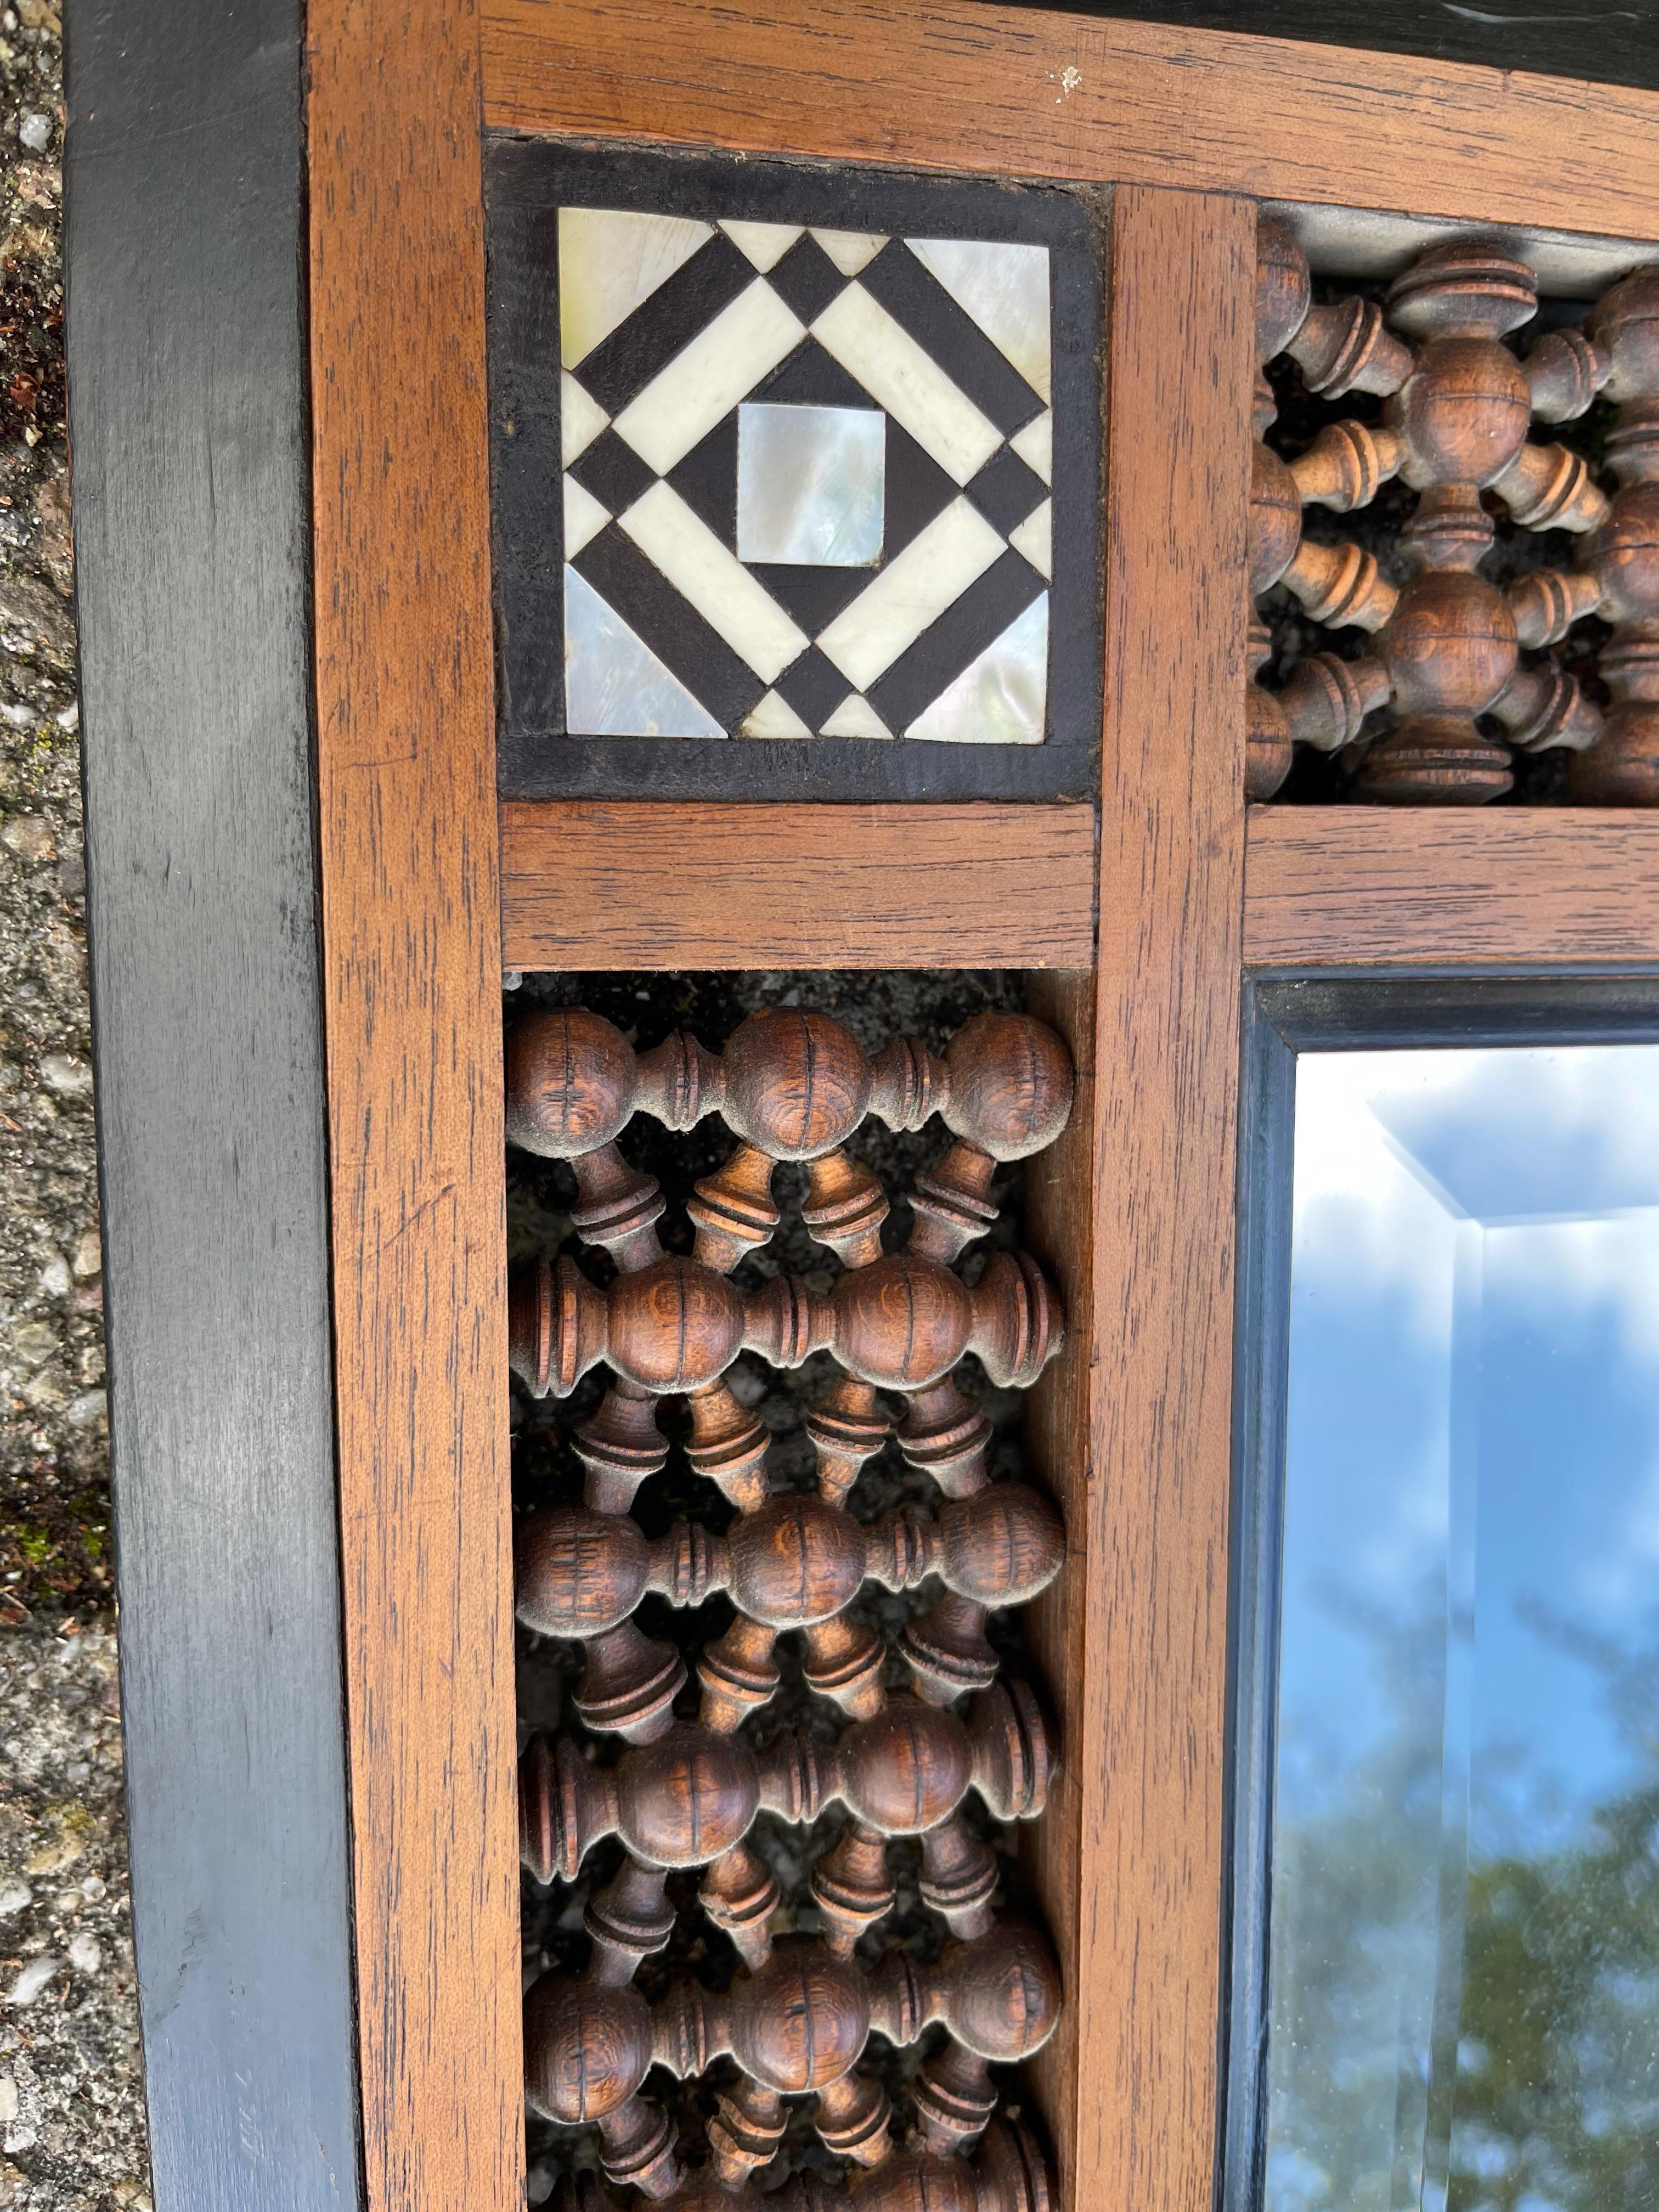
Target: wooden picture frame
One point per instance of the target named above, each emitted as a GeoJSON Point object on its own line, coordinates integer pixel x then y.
{"type": "Point", "coordinates": [310, 1014]}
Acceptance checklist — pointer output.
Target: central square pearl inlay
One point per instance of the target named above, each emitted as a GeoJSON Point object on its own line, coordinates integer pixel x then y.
{"type": "Point", "coordinates": [811, 484]}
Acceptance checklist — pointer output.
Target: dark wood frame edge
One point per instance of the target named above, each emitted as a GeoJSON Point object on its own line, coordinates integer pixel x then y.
{"type": "Point", "coordinates": [1259, 1364]}
{"type": "Point", "coordinates": [193, 597]}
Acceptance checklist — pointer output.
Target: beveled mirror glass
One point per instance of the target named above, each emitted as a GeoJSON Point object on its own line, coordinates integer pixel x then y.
{"type": "Point", "coordinates": [1464, 1962]}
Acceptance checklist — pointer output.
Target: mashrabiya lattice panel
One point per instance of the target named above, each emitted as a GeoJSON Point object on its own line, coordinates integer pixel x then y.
{"type": "Point", "coordinates": [1446, 647]}
{"type": "Point", "coordinates": [684, 1793]}
{"type": "Point", "coordinates": [806, 481]}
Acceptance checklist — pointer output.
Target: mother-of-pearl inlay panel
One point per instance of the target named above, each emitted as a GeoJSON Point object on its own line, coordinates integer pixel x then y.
{"type": "Point", "coordinates": [806, 480]}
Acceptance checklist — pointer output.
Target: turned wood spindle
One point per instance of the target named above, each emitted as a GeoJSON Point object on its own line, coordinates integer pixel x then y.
{"type": "Point", "coordinates": [1449, 644]}
{"type": "Point", "coordinates": [587, 2048]}
{"type": "Point", "coordinates": [579, 1575]}
{"type": "Point", "coordinates": [796, 2027]}
{"type": "Point", "coordinates": [1008, 2174]}
{"type": "Point", "coordinates": [797, 1086]}
{"type": "Point", "coordinates": [1622, 769]}
{"type": "Point", "coordinates": [904, 1772]}
{"type": "Point", "coordinates": [1340, 348]}
{"type": "Point", "coordinates": [1007, 1095]}
{"type": "Point", "coordinates": [689, 1796]}
{"type": "Point", "coordinates": [574, 1083]}
{"type": "Point", "coordinates": [1451, 647]}
{"type": "Point", "coordinates": [999, 1995]}
{"type": "Point", "coordinates": [674, 1328]}
{"type": "Point", "coordinates": [796, 2024]}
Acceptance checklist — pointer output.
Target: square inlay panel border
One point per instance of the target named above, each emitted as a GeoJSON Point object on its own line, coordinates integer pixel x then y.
{"type": "Point", "coordinates": [948, 648]}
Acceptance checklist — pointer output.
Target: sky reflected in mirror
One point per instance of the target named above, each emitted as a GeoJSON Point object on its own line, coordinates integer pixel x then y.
{"type": "Point", "coordinates": [1465, 1912]}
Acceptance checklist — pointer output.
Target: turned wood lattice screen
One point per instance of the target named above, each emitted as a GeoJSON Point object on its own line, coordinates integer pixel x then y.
{"type": "Point", "coordinates": [935, 1738]}
{"type": "Point", "coordinates": [1443, 646]}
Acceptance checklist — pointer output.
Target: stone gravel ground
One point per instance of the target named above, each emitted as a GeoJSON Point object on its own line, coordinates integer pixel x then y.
{"type": "Point", "coordinates": [71, 2106]}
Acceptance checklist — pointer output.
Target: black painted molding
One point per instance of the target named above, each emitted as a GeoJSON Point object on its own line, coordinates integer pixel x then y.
{"type": "Point", "coordinates": [186, 253]}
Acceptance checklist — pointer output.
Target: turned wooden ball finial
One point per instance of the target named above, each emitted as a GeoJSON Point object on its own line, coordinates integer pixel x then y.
{"type": "Point", "coordinates": [1284, 287]}
{"type": "Point", "coordinates": [796, 1083]}
{"type": "Point", "coordinates": [802, 2020]}
{"type": "Point", "coordinates": [1009, 1092]}
{"type": "Point", "coordinates": [1009, 2174]}
{"type": "Point", "coordinates": [796, 1560]}
{"type": "Point", "coordinates": [682, 1801]}
{"type": "Point", "coordinates": [999, 1995]}
{"type": "Point", "coordinates": [587, 2047]}
{"type": "Point", "coordinates": [571, 1078]}
{"type": "Point", "coordinates": [1012, 1085]}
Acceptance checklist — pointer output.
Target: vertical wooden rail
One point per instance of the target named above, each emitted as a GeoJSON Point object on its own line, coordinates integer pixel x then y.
{"type": "Point", "coordinates": [1149, 1738]}
{"type": "Point", "coordinates": [411, 937]}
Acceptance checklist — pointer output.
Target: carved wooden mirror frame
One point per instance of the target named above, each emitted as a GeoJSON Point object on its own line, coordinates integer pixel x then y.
{"type": "Point", "coordinates": [1137, 921]}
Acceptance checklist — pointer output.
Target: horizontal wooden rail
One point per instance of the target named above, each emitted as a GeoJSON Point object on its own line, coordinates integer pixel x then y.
{"type": "Point", "coordinates": [1347, 886]}
{"type": "Point", "coordinates": [953, 84]}
{"type": "Point", "coordinates": [587, 885]}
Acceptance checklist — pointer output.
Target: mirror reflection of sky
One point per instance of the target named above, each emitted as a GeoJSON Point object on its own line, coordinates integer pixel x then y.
{"type": "Point", "coordinates": [1470, 1547]}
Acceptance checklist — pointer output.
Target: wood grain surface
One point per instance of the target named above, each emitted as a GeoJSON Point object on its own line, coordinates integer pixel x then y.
{"type": "Point", "coordinates": [1150, 1738]}
{"type": "Point", "coordinates": [411, 954]}
{"type": "Point", "coordinates": [630, 884]}
{"type": "Point", "coordinates": [1036, 93]}
{"type": "Point", "coordinates": [1619, 48]}
{"type": "Point", "coordinates": [187, 402]}
{"type": "Point", "coordinates": [1417, 886]}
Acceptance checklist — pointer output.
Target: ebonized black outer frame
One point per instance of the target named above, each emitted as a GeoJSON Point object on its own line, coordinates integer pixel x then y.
{"type": "Point", "coordinates": [1284, 1017]}
{"type": "Point", "coordinates": [185, 236]}
{"type": "Point", "coordinates": [526, 180]}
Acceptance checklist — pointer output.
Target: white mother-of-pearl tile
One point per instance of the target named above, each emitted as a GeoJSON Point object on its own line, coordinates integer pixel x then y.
{"type": "Point", "coordinates": [811, 484]}
{"type": "Point", "coordinates": [850, 250]}
{"type": "Point", "coordinates": [1005, 288]}
{"type": "Point", "coordinates": [775, 718]}
{"type": "Point", "coordinates": [614, 685]}
{"type": "Point", "coordinates": [707, 379]}
{"type": "Point", "coordinates": [1035, 444]}
{"type": "Point", "coordinates": [732, 602]}
{"type": "Point", "coordinates": [1034, 539]}
{"type": "Point", "coordinates": [855, 718]}
{"type": "Point", "coordinates": [999, 698]}
{"type": "Point", "coordinates": [583, 518]}
{"type": "Point", "coordinates": [581, 418]}
{"type": "Point", "coordinates": [913, 590]}
{"type": "Point", "coordinates": [909, 382]}
{"type": "Point", "coordinates": [764, 243]}
{"type": "Point", "coordinates": [609, 264]}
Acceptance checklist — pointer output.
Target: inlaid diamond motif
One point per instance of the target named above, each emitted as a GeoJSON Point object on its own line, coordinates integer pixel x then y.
{"type": "Point", "coordinates": [805, 481]}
